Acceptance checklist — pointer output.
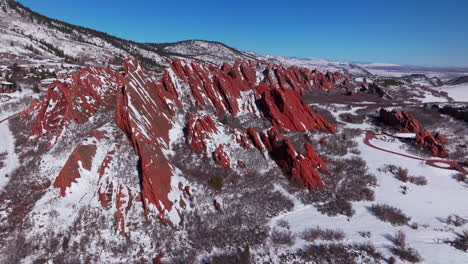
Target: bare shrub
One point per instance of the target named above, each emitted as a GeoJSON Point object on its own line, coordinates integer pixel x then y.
{"type": "Point", "coordinates": [455, 220]}
{"type": "Point", "coordinates": [283, 223]}
{"type": "Point", "coordinates": [337, 206]}
{"type": "Point", "coordinates": [461, 242]}
{"type": "Point", "coordinates": [407, 254]}
{"type": "Point", "coordinates": [418, 180]}
{"type": "Point", "coordinates": [353, 119]}
{"type": "Point", "coordinates": [390, 214]}
{"type": "Point", "coordinates": [2, 158]}
{"type": "Point", "coordinates": [365, 234]}
{"type": "Point", "coordinates": [400, 239]}
{"type": "Point", "coordinates": [402, 251]}
{"type": "Point", "coordinates": [351, 181]}
{"type": "Point", "coordinates": [311, 234]}
{"type": "Point", "coordinates": [391, 260]}
{"type": "Point", "coordinates": [223, 258]}
{"type": "Point", "coordinates": [459, 154]}
{"type": "Point", "coordinates": [340, 253]}
{"type": "Point", "coordinates": [461, 177]}
{"type": "Point", "coordinates": [414, 226]}
{"type": "Point", "coordinates": [338, 144]}
{"type": "Point", "coordinates": [282, 237]}
{"type": "Point", "coordinates": [402, 174]}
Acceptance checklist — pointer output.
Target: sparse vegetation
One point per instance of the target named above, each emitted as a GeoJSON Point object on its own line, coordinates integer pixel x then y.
{"type": "Point", "coordinates": [353, 119]}
{"type": "Point", "coordinates": [389, 82]}
{"type": "Point", "coordinates": [2, 158]}
{"type": "Point", "coordinates": [418, 180]}
{"type": "Point", "coordinates": [350, 182]}
{"type": "Point", "coordinates": [401, 249]}
{"type": "Point", "coordinates": [65, 242]}
{"type": "Point", "coordinates": [316, 233]}
{"type": "Point", "coordinates": [365, 234]}
{"type": "Point", "coordinates": [390, 214]}
{"type": "Point", "coordinates": [461, 241]}
{"type": "Point", "coordinates": [455, 220]}
{"type": "Point", "coordinates": [282, 237]}
{"type": "Point", "coordinates": [284, 224]}
{"type": "Point", "coordinates": [340, 253]}
{"type": "Point", "coordinates": [217, 182]}
{"type": "Point", "coordinates": [461, 177]}
{"type": "Point", "coordinates": [402, 174]}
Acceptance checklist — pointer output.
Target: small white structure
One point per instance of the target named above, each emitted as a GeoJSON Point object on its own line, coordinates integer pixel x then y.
{"type": "Point", "coordinates": [404, 135]}
{"type": "Point", "coordinates": [6, 87]}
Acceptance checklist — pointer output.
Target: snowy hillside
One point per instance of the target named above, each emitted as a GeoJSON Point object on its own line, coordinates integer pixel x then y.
{"type": "Point", "coordinates": [113, 151]}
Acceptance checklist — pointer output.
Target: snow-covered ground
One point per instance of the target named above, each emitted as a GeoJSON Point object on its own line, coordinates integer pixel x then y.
{"type": "Point", "coordinates": [7, 145]}
{"type": "Point", "coordinates": [458, 92]}
{"type": "Point", "coordinates": [426, 205]}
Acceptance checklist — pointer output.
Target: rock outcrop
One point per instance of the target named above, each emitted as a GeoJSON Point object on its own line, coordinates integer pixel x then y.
{"type": "Point", "coordinates": [188, 99]}
{"type": "Point", "coordinates": [406, 123]}
{"type": "Point", "coordinates": [286, 111]}
{"type": "Point", "coordinates": [75, 99]}
{"type": "Point", "coordinates": [143, 110]}
{"type": "Point", "coordinates": [302, 169]}
{"type": "Point", "coordinates": [80, 160]}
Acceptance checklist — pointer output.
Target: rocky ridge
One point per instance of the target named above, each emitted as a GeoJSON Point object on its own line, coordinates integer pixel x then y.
{"type": "Point", "coordinates": [154, 112]}
{"type": "Point", "coordinates": [406, 123]}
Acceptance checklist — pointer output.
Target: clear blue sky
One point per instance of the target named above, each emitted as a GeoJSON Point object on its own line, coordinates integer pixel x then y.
{"type": "Point", "coordinates": [393, 31]}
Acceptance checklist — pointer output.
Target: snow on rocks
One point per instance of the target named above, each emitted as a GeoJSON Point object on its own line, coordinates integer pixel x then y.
{"type": "Point", "coordinates": [406, 123]}
{"type": "Point", "coordinates": [74, 99]}
{"type": "Point", "coordinates": [152, 113]}
{"type": "Point", "coordinates": [143, 112]}
{"type": "Point", "coordinates": [302, 168]}
{"type": "Point", "coordinates": [286, 110]}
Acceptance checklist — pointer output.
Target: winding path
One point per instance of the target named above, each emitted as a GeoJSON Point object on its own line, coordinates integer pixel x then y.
{"type": "Point", "coordinates": [449, 165]}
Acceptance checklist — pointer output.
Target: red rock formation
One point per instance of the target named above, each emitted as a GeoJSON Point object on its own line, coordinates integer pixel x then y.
{"type": "Point", "coordinates": [142, 111]}
{"type": "Point", "coordinates": [119, 217]}
{"type": "Point", "coordinates": [406, 123]}
{"type": "Point", "coordinates": [200, 129]}
{"type": "Point", "coordinates": [220, 157]}
{"type": "Point", "coordinates": [301, 168]}
{"type": "Point", "coordinates": [145, 109]}
{"type": "Point", "coordinates": [80, 159]}
{"type": "Point", "coordinates": [255, 139]}
{"type": "Point", "coordinates": [76, 99]}
{"type": "Point", "coordinates": [286, 110]}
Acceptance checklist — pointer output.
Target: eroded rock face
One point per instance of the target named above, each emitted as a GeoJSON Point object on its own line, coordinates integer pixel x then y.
{"type": "Point", "coordinates": [286, 110]}
{"type": "Point", "coordinates": [152, 111]}
{"type": "Point", "coordinates": [406, 123]}
{"type": "Point", "coordinates": [143, 110]}
{"type": "Point", "coordinates": [75, 99]}
{"type": "Point", "coordinates": [80, 160]}
{"type": "Point", "coordinates": [301, 168]}
{"type": "Point", "coordinates": [200, 129]}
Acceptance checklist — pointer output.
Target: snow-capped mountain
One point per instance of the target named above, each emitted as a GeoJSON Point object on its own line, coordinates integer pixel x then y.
{"type": "Point", "coordinates": [33, 39]}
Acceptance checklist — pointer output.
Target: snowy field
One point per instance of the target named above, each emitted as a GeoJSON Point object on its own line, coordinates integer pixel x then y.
{"type": "Point", "coordinates": [426, 205]}
{"type": "Point", "coordinates": [458, 92]}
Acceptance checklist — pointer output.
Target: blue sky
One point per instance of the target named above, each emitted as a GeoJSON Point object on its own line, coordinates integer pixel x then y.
{"type": "Point", "coordinates": [433, 33]}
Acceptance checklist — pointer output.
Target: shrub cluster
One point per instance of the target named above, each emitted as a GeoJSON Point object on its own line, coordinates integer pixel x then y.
{"type": "Point", "coordinates": [282, 237]}
{"type": "Point", "coordinates": [402, 251]}
{"type": "Point", "coordinates": [461, 242]}
{"type": "Point", "coordinates": [312, 234]}
{"type": "Point", "coordinates": [390, 214]}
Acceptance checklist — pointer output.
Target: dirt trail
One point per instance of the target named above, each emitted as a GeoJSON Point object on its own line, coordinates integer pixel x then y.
{"type": "Point", "coordinates": [437, 163]}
